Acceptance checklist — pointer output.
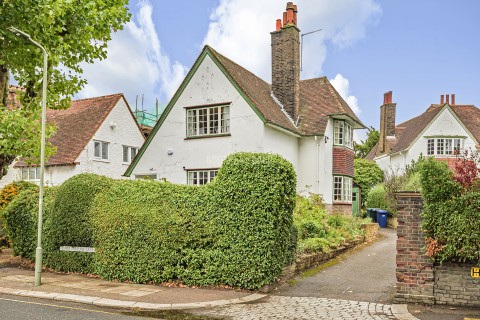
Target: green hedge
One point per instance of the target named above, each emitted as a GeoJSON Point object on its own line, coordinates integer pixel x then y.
{"type": "Point", "coordinates": [21, 217]}
{"type": "Point", "coordinates": [451, 214]}
{"type": "Point", "coordinates": [236, 230]}
{"type": "Point", "coordinates": [69, 223]}
{"type": "Point", "coordinates": [377, 198]}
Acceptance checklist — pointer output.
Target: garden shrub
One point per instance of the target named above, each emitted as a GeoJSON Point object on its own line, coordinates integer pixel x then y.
{"type": "Point", "coordinates": [367, 175]}
{"type": "Point", "coordinates": [377, 198]}
{"type": "Point", "coordinates": [320, 231]}
{"type": "Point", "coordinates": [451, 213]}
{"type": "Point", "coordinates": [7, 194]}
{"type": "Point", "coordinates": [21, 217]}
{"type": "Point", "coordinates": [69, 223]}
{"type": "Point", "coordinates": [237, 230]}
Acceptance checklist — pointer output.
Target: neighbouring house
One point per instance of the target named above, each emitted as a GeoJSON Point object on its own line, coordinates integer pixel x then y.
{"type": "Point", "coordinates": [221, 108]}
{"type": "Point", "coordinates": [96, 135]}
{"type": "Point", "coordinates": [442, 131]}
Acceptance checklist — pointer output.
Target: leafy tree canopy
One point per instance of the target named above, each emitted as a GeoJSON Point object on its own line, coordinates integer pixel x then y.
{"type": "Point", "coordinates": [364, 147]}
{"type": "Point", "coordinates": [72, 32]}
{"type": "Point", "coordinates": [367, 175]}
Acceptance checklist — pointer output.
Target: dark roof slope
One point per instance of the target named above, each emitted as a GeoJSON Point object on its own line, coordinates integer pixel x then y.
{"type": "Point", "coordinates": [318, 100]}
{"type": "Point", "coordinates": [76, 127]}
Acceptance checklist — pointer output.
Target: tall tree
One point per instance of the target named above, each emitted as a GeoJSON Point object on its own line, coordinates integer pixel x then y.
{"type": "Point", "coordinates": [73, 32]}
{"type": "Point", "coordinates": [364, 147]}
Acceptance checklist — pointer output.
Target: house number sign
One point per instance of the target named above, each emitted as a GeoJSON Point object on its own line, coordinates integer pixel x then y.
{"type": "Point", "coordinates": [77, 249]}
{"type": "Point", "coordinates": [475, 272]}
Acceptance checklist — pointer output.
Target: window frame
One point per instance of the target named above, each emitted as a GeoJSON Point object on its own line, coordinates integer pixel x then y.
{"type": "Point", "coordinates": [207, 121]}
{"type": "Point", "coordinates": [28, 171]}
{"type": "Point", "coordinates": [342, 187]}
{"type": "Point", "coordinates": [444, 146]}
{"type": "Point", "coordinates": [131, 153]}
{"type": "Point", "coordinates": [342, 133]}
{"type": "Point", "coordinates": [199, 177]}
{"type": "Point", "coordinates": [104, 147]}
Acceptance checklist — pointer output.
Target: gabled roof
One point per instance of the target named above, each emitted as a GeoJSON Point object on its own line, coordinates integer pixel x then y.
{"type": "Point", "coordinates": [76, 126]}
{"type": "Point", "coordinates": [407, 132]}
{"type": "Point", "coordinates": [318, 101]}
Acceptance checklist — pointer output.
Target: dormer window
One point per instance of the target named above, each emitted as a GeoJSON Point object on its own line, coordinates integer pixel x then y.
{"type": "Point", "coordinates": [343, 133]}
{"type": "Point", "coordinates": [444, 146]}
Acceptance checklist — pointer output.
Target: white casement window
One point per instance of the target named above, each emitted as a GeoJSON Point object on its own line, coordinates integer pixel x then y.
{"type": "Point", "coordinates": [342, 189]}
{"type": "Point", "coordinates": [444, 146]}
{"type": "Point", "coordinates": [129, 153]}
{"type": "Point", "coordinates": [200, 177]}
{"type": "Point", "coordinates": [30, 173]}
{"type": "Point", "coordinates": [343, 133]}
{"type": "Point", "coordinates": [208, 121]}
{"type": "Point", "coordinates": [100, 150]}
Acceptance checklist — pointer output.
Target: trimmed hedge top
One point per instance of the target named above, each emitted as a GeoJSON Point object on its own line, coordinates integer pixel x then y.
{"type": "Point", "coordinates": [237, 230]}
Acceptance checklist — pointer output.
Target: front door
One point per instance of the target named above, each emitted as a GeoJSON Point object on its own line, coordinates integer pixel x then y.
{"type": "Point", "coordinates": [355, 201]}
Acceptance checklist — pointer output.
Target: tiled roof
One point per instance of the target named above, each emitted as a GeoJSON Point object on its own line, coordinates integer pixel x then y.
{"type": "Point", "coordinates": [76, 127]}
{"type": "Point", "coordinates": [408, 131]}
{"type": "Point", "coordinates": [318, 100]}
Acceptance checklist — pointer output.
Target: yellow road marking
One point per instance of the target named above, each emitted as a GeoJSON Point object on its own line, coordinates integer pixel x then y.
{"type": "Point", "coordinates": [64, 307]}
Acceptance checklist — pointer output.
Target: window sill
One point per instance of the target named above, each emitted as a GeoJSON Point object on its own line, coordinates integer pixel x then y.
{"type": "Point", "coordinates": [343, 146]}
{"type": "Point", "coordinates": [208, 136]}
{"type": "Point", "coordinates": [341, 202]}
{"type": "Point", "coordinates": [101, 160]}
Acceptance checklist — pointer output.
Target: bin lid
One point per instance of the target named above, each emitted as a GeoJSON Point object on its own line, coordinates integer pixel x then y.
{"type": "Point", "coordinates": [382, 211]}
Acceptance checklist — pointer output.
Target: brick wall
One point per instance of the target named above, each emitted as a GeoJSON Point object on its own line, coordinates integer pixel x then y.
{"type": "Point", "coordinates": [455, 286]}
{"type": "Point", "coordinates": [418, 280]}
{"type": "Point", "coordinates": [343, 161]}
{"type": "Point", "coordinates": [415, 274]}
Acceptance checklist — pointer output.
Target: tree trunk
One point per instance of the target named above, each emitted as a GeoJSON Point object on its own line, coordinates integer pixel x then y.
{"type": "Point", "coordinates": [3, 85]}
{"type": "Point", "coordinates": [5, 161]}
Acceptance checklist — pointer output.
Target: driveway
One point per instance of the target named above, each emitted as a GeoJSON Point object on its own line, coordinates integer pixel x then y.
{"type": "Point", "coordinates": [366, 273]}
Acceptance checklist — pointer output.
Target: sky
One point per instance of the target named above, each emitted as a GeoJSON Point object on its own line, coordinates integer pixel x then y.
{"type": "Point", "coordinates": [419, 49]}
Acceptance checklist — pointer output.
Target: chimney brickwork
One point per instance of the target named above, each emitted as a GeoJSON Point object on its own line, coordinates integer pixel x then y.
{"type": "Point", "coordinates": [387, 121]}
{"type": "Point", "coordinates": [286, 61]}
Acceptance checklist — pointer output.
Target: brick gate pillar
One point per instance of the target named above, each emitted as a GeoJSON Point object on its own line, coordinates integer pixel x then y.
{"type": "Point", "coordinates": [415, 273]}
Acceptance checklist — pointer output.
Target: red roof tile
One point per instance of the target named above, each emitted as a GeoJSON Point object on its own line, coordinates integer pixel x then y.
{"type": "Point", "coordinates": [76, 127]}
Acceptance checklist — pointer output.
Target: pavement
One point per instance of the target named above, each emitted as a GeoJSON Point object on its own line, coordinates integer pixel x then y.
{"type": "Point", "coordinates": [213, 302]}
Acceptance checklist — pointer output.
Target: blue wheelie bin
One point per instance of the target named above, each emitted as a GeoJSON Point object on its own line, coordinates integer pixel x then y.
{"type": "Point", "coordinates": [382, 218]}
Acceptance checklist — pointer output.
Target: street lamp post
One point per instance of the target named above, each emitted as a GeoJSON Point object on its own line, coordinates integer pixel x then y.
{"type": "Point", "coordinates": [38, 252]}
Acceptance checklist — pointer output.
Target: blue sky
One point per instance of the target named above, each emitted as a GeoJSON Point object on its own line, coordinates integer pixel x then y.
{"type": "Point", "coordinates": [419, 49]}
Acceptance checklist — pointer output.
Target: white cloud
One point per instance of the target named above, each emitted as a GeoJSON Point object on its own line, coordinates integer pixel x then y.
{"type": "Point", "coordinates": [342, 85]}
{"type": "Point", "coordinates": [135, 65]}
{"type": "Point", "coordinates": [240, 29]}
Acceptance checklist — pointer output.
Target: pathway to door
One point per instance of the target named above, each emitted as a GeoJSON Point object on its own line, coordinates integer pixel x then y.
{"type": "Point", "coordinates": [365, 274]}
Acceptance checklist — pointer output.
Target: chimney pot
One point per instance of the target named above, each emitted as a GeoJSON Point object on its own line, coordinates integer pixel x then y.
{"type": "Point", "coordinates": [442, 99]}
{"type": "Point", "coordinates": [448, 99]}
{"type": "Point", "coordinates": [453, 99]}
{"type": "Point", "coordinates": [279, 24]}
{"type": "Point", "coordinates": [285, 18]}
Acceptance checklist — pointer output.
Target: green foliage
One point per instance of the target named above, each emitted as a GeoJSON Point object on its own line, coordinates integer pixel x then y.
{"type": "Point", "coordinates": [377, 198]}
{"type": "Point", "coordinates": [236, 230]}
{"type": "Point", "coordinates": [21, 217]}
{"type": "Point", "coordinates": [7, 194]}
{"type": "Point", "coordinates": [367, 175]}
{"type": "Point", "coordinates": [451, 214]}
{"type": "Point", "coordinates": [72, 33]}
{"type": "Point", "coordinates": [319, 231]}
{"type": "Point", "coordinates": [69, 223]}
{"type": "Point", "coordinates": [363, 148]}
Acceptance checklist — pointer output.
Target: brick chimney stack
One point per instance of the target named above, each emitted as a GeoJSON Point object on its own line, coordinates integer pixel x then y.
{"type": "Point", "coordinates": [286, 61]}
{"type": "Point", "coordinates": [387, 121]}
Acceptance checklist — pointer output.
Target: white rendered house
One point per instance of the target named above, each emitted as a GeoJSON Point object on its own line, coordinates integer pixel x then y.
{"type": "Point", "coordinates": [442, 131]}
{"type": "Point", "coordinates": [221, 108]}
{"type": "Point", "coordinates": [96, 135]}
